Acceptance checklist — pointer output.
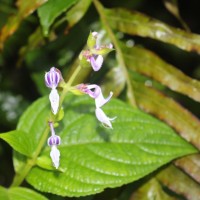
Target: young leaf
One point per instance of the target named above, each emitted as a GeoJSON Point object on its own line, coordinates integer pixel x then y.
{"type": "Point", "coordinates": [19, 193]}
{"type": "Point", "coordinates": [135, 23]}
{"type": "Point", "coordinates": [51, 10]}
{"type": "Point", "coordinates": [93, 157]}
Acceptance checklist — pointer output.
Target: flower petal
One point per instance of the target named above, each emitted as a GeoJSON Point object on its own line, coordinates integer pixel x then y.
{"type": "Point", "coordinates": [105, 120]}
{"type": "Point", "coordinates": [100, 100]}
{"type": "Point", "coordinates": [55, 156]}
{"type": "Point", "coordinates": [94, 94]}
{"type": "Point", "coordinates": [54, 99]}
{"type": "Point", "coordinates": [52, 78]}
{"type": "Point", "coordinates": [54, 140]}
{"type": "Point", "coordinates": [96, 64]}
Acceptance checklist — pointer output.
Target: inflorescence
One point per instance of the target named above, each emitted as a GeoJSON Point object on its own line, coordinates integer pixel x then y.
{"type": "Point", "coordinates": [92, 57]}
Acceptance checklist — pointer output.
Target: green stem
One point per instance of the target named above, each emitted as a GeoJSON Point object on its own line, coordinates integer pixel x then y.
{"type": "Point", "coordinates": [120, 58]}
{"type": "Point", "coordinates": [19, 177]}
{"type": "Point", "coordinates": [69, 84]}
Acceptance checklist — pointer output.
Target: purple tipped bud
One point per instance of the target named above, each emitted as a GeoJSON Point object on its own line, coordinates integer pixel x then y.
{"type": "Point", "coordinates": [54, 140]}
{"type": "Point", "coordinates": [52, 78]}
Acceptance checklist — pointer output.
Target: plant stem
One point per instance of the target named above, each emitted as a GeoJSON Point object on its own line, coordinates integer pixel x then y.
{"type": "Point", "coordinates": [120, 58]}
{"type": "Point", "coordinates": [19, 177]}
{"type": "Point", "coordinates": [69, 84]}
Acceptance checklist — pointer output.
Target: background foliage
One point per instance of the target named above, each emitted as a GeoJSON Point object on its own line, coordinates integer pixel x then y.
{"type": "Point", "coordinates": [154, 69]}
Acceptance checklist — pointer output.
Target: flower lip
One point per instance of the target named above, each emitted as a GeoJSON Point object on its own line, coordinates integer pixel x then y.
{"type": "Point", "coordinates": [54, 100]}
{"type": "Point", "coordinates": [96, 62]}
{"type": "Point", "coordinates": [55, 156]}
{"type": "Point", "coordinates": [105, 120]}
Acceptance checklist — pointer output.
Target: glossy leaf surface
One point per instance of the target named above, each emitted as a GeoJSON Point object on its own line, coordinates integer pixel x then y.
{"type": "Point", "coordinates": [19, 193]}
{"type": "Point", "coordinates": [93, 157]}
{"type": "Point", "coordinates": [19, 141]}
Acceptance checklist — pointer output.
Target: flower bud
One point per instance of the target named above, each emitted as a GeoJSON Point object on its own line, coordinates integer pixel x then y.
{"type": "Point", "coordinates": [91, 42]}
{"type": "Point", "coordinates": [84, 58]}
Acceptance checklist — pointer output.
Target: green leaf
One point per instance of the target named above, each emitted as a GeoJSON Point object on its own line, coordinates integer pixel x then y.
{"type": "Point", "coordinates": [19, 193]}
{"type": "Point", "coordinates": [93, 157]}
{"type": "Point", "coordinates": [141, 60]}
{"type": "Point", "coordinates": [51, 10]}
{"type": "Point", "coordinates": [135, 23]}
{"type": "Point", "coordinates": [19, 141]}
{"type": "Point", "coordinates": [77, 12]}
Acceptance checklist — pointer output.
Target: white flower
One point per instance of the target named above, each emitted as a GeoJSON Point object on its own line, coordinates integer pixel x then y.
{"type": "Point", "coordinates": [95, 92]}
{"type": "Point", "coordinates": [54, 100]}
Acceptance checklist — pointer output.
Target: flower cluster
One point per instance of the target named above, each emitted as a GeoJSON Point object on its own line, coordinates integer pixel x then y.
{"type": "Point", "coordinates": [94, 57]}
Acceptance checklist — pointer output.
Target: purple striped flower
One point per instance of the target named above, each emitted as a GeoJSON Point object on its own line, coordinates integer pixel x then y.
{"type": "Point", "coordinates": [52, 79]}
{"type": "Point", "coordinates": [53, 142]}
